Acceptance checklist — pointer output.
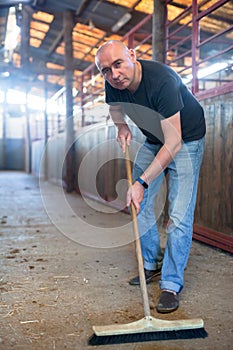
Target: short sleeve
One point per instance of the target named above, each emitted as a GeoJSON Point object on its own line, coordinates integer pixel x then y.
{"type": "Point", "coordinates": [169, 99]}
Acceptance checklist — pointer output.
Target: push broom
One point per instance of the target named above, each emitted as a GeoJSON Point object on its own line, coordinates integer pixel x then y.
{"type": "Point", "coordinates": [148, 328]}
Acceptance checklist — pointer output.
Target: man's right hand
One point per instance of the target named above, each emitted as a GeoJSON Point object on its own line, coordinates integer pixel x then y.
{"type": "Point", "coordinates": [124, 136]}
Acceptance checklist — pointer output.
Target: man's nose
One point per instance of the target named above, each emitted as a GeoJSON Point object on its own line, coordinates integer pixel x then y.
{"type": "Point", "coordinates": [115, 73]}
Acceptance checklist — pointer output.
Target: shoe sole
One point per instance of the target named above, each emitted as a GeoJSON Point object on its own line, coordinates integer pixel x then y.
{"type": "Point", "coordinates": [166, 311]}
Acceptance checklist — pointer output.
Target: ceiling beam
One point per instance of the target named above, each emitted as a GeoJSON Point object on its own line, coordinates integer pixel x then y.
{"type": "Point", "coordinates": [56, 42]}
{"type": "Point", "coordinates": [81, 7]}
{"type": "Point", "coordinates": [31, 69]}
{"type": "Point", "coordinates": [60, 37]}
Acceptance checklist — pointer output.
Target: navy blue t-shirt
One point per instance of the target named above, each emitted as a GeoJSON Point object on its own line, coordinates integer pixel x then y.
{"type": "Point", "coordinates": [161, 94]}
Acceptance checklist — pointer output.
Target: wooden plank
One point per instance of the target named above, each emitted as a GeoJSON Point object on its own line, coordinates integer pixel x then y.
{"type": "Point", "coordinates": [228, 164]}
{"type": "Point", "coordinates": [216, 175]}
{"type": "Point", "coordinates": [210, 242]}
{"type": "Point", "coordinates": [213, 238]}
{"type": "Point", "coordinates": [207, 193]}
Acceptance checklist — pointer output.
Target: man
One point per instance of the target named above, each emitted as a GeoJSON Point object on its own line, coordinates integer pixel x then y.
{"type": "Point", "coordinates": [155, 98]}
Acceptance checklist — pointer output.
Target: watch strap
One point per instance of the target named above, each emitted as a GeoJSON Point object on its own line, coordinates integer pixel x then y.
{"type": "Point", "coordinates": [142, 182]}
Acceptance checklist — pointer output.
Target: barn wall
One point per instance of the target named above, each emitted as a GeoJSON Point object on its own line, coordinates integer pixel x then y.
{"type": "Point", "coordinates": [215, 196]}
{"type": "Point", "coordinates": [47, 162]}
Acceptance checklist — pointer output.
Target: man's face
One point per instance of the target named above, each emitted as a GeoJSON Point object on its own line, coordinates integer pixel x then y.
{"type": "Point", "coordinates": [117, 65]}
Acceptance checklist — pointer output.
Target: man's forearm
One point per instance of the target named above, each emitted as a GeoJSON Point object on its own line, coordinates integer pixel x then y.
{"type": "Point", "coordinates": [117, 115]}
{"type": "Point", "coordinates": [173, 143]}
{"type": "Point", "coordinates": [160, 162]}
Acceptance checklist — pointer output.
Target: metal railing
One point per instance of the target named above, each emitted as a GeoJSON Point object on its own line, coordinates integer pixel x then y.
{"type": "Point", "coordinates": [186, 46]}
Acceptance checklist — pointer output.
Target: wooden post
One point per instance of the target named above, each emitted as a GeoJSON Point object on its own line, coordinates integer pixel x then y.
{"type": "Point", "coordinates": [25, 37]}
{"type": "Point", "coordinates": [158, 31]}
{"type": "Point", "coordinates": [195, 50]}
{"type": "Point", "coordinates": [68, 24]}
{"type": "Point", "coordinates": [24, 53]}
{"type": "Point", "coordinates": [131, 41]}
{"type": "Point", "coordinates": [45, 165]}
{"type": "Point", "coordinates": [4, 115]}
{"type": "Point", "coordinates": [82, 100]}
{"type": "Point", "coordinates": [28, 144]}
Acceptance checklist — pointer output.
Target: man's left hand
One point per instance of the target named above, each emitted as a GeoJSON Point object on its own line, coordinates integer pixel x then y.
{"type": "Point", "coordinates": [135, 195]}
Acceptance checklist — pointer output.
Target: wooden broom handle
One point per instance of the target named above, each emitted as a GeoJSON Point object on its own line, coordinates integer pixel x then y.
{"type": "Point", "coordinates": [137, 241]}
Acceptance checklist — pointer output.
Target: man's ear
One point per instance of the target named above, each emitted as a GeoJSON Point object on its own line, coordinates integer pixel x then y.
{"type": "Point", "coordinates": [133, 55]}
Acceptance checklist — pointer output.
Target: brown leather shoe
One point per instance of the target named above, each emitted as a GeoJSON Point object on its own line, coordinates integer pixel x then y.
{"type": "Point", "coordinates": [149, 275]}
{"type": "Point", "coordinates": [168, 302]}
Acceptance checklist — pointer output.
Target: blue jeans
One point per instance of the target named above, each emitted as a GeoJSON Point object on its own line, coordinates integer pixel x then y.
{"type": "Point", "coordinates": [183, 174]}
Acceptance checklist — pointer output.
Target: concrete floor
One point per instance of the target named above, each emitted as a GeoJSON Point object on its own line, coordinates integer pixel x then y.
{"type": "Point", "coordinates": [65, 265]}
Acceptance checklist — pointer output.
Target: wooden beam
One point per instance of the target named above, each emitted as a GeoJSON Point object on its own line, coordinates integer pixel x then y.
{"type": "Point", "coordinates": [81, 7]}
{"type": "Point", "coordinates": [56, 42]}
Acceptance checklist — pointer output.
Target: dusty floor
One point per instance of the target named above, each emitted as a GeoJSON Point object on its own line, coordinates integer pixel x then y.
{"type": "Point", "coordinates": [55, 284]}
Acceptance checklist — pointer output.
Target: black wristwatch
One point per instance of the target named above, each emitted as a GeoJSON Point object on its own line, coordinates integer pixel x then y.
{"type": "Point", "coordinates": [142, 182]}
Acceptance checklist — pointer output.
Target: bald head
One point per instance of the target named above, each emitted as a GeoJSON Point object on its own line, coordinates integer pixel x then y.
{"type": "Point", "coordinates": [118, 65]}
{"type": "Point", "coordinates": [111, 44]}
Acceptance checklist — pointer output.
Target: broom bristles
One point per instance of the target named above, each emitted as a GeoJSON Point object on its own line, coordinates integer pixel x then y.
{"type": "Point", "coordinates": [148, 329]}
{"type": "Point", "coordinates": [147, 336]}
